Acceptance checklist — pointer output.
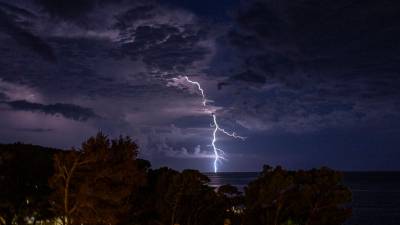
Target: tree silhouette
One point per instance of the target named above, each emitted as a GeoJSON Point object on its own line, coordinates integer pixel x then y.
{"type": "Point", "coordinates": [233, 203]}
{"type": "Point", "coordinates": [96, 182]}
{"type": "Point", "coordinates": [104, 183]}
{"type": "Point", "coordinates": [172, 197]}
{"type": "Point", "coordinates": [304, 197]}
{"type": "Point", "coordinates": [24, 170]}
{"type": "Point", "coordinates": [69, 194]}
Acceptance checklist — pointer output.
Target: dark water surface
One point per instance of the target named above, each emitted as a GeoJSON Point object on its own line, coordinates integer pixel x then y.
{"type": "Point", "coordinates": [376, 195]}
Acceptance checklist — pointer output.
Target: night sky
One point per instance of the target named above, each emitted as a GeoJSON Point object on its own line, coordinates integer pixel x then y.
{"type": "Point", "coordinates": [310, 83]}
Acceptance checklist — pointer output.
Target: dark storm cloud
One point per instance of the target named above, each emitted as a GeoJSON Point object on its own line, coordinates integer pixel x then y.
{"type": "Point", "coordinates": [3, 96]}
{"type": "Point", "coordinates": [304, 55]}
{"type": "Point", "coordinates": [16, 10]}
{"type": "Point", "coordinates": [36, 130]}
{"type": "Point", "coordinates": [15, 22]}
{"type": "Point", "coordinates": [167, 47]}
{"type": "Point", "coordinates": [113, 58]}
{"type": "Point", "coordinates": [66, 8]}
{"type": "Point", "coordinates": [322, 39]}
{"type": "Point", "coordinates": [293, 66]}
{"type": "Point", "coordinates": [140, 12]}
{"type": "Point", "coordinates": [165, 41]}
{"type": "Point", "coordinates": [69, 111]}
{"type": "Point", "coordinates": [249, 76]}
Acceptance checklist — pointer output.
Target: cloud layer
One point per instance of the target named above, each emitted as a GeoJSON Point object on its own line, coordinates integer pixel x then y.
{"type": "Point", "coordinates": [72, 68]}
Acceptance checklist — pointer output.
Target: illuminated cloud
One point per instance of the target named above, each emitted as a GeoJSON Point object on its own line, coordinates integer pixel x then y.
{"type": "Point", "coordinates": [276, 70]}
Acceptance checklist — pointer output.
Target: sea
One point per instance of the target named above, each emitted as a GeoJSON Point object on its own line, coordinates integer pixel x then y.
{"type": "Point", "coordinates": [376, 195]}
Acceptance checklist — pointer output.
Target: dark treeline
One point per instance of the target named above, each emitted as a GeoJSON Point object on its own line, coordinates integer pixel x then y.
{"type": "Point", "coordinates": [103, 182]}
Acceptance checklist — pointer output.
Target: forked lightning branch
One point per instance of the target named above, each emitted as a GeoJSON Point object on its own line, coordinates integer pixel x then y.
{"type": "Point", "coordinates": [218, 152]}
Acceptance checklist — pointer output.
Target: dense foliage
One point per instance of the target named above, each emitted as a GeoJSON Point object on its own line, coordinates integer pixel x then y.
{"type": "Point", "coordinates": [103, 182]}
{"type": "Point", "coordinates": [312, 197]}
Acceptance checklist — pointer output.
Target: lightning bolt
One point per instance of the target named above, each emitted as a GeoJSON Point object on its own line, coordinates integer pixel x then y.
{"type": "Point", "coordinates": [197, 84]}
{"type": "Point", "coordinates": [218, 153]}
